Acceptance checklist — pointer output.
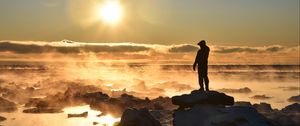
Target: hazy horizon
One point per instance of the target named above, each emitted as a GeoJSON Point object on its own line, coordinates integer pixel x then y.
{"type": "Point", "coordinates": [136, 52]}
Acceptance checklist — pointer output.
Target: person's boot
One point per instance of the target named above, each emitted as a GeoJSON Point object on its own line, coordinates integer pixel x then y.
{"type": "Point", "coordinates": [201, 89]}
{"type": "Point", "coordinates": [206, 87]}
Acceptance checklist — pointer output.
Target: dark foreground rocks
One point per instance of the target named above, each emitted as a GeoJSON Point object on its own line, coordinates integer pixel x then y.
{"type": "Point", "coordinates": [202, 98]}
{"type": "Point", "coordinates": [84, 114]}
{"type": "Point", "coordinates": [138, 117]}
{"type": "Point", "coordinates": [294, 99]}
{"type": "Point", "coordinates": [43, 110]}
{"type": "Point", "coordinates": [288, 116]}
{"type": "Point", "coordinates": [214, 109]}
{"type": "Point", "coordinates": [203, 115]}
{"type": "Point", "coordinates": [42, 106]}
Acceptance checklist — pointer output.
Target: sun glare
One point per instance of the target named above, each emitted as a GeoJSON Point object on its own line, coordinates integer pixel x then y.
{"type": "Point", "coordinates": [109, 120]}
{"type": "Point", "coordinates": [110, 12]}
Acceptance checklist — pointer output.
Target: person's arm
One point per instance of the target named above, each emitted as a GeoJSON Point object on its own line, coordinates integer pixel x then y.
{"type": "Point", "coordinates": [196, 61]}
{"type": "Point", "coordinates": [208, 52]}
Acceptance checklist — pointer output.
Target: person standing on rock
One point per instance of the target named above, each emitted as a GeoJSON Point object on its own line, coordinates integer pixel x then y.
{"type": "Point", "coordinates": [202, 60]}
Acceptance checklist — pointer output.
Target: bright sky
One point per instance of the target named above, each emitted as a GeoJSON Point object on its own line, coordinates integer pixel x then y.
{"type": "Point", "coordinates": [221, 22]}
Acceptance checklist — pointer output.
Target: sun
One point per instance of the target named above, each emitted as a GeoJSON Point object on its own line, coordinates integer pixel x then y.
{"type": "Point", "coordinates": [110, 12]}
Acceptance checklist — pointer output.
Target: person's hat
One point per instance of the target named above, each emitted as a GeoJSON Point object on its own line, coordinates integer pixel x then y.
{"type": "Point", "coordinates": [202, 42]}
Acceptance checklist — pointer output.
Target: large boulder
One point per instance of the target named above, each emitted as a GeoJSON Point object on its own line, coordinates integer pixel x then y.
{"type": "Point", "coordinates": [207, 115]}
{"type": "Point", "coordinates": [294, 108]}
{"type": "Point", "coordinates": [294, 99]}
{"type": "Point", "coordinates": [288, 116]}
{"type": "Point", "coordinates": [94, 97]}
{"type": "Point", "coordinates": [263, 107]}
{"type": "Point", "coordinates": [138, 117]}
{"type": "Point", "coordinates": [165, 117]}
{"type": "Point", "coordinates": [202, 98]}
{"type": "Point", "coordinates": [243, 103]}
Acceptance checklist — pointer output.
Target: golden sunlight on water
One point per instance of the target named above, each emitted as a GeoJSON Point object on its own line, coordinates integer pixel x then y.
{"type": "Point", "coordinates": [59, 119]}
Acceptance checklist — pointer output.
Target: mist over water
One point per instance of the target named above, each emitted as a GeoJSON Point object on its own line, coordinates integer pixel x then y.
{"type": "Point", "coordinates": [276, 82]}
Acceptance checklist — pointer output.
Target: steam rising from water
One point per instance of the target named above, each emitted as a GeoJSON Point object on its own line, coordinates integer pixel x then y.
{"type": "Point", "coordinates": [145, 79]}
{"type": "Point", "coordinates": [39, 69]}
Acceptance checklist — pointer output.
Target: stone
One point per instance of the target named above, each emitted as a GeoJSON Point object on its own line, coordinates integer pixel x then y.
{"type": "Point", "coordinates": [242, 103]}
{"type": "Point", "coordinates": [95, 97]}
{"type": "Point", "coordinates": [263, 107]}
{"type": "Point", "coordinates": [138, 117]}
{"type": "Point", "coordinates": [295, 108]}
{"type": "Point", "coordinates": [43, 110]}
{"type": "Point", "coordinates": [207, 115]}
{"type": "Point", "coordinates": [294, 99]}
{"type": "Point", "coordinates": [84, 114]}
{"type": "Point", "coordinates": [202, 98]}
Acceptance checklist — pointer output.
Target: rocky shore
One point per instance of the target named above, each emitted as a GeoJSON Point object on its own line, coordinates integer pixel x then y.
{"type": "Point", "coordinates": [216, 109]}
{"type": "Point", "coordinates": [197, 108]}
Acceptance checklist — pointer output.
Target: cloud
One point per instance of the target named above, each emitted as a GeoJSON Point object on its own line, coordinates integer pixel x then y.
{"type": "Point", "coordinates": [153, 52]}
{"type": "Point", "coordinates": [21, 48]}
{"type": "Point", "coordinates": [183, 48]}
{"type": "Point", "coordinates": [245, 49]}
{"type": "Point", "coordinates": [69, 47]}
{"type": "Point", "coordinates": [234, 49]}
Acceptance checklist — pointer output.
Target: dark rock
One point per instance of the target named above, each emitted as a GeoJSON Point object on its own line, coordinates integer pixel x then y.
{"type": "Point", "coordinates": [161, 103]}
{"type": "Point", "coordinates": [84, 114]}
{"type": "Point", "coordinates": [131, 101]}
{"type": "Point", "coordinates": [95, 123]}
{"type": "Point", "coordinates": [207, 115]}
{"type": "Point", "coordinates": [95, 97]}
{"type": "Point", "coordinates": [7, 106]}
{"type": "Point", "coordinates": [32, 102]}
{"type": "Point", "coordinates": [288, 116]}
{"type": "Point", "coordinates": [295, 108]}
{"type": "Point", "coordinates": [164, 116]}
{"type": "Point", "coordinates": [101, 114]}
{"type": "Point", "coordinates": [138, 117]}
{"type": "Point", "coordinates": [113, 106]}
{"type": "Point", "coordinates": [243, 103]}
{"type": "Point", "coordinates": [294, 99]}
{"type": "Point", "coordinates": [44, 105]}
{"type": "Point", "coordinates": [263, 107]}
{"type": "Point", "coordinates": [284, 119]}
{"type": "Point", "coordinates": [2, 118]}
{"type": "Point", "coordinates": [43, 110]}
{"type": "Point", "coordinates": [202, 98]}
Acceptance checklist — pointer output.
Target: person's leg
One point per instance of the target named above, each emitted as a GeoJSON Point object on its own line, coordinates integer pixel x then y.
{"type": "Point", "coordinates": [201, 82]}
{"type": "Point", "coordinates": [206, 80]}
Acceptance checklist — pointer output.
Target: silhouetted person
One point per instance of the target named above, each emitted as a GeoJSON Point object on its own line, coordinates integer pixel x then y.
{"type": "Point", "coordinates": [202, 60]}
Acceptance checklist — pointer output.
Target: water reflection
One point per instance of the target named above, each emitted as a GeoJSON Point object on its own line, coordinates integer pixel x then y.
{"type": "Point", "coordinates": [59, 119]}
